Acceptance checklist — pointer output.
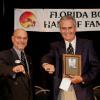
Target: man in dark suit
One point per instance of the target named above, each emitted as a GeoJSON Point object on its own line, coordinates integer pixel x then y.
{"type": "Point", "coordinates": [15, 75]}
{"type": "Point", "coordinates": [81, 85]}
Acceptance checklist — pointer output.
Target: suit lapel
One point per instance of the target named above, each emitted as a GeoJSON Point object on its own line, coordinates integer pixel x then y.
{"type": "Point", "coordinates": [14, 55]}
{"type": "Point", "coordinates": [78, 47]}
{"type": "Point", "coordinates": [62, 47]}
{"type": "Point", "coordinates": [79, 50]}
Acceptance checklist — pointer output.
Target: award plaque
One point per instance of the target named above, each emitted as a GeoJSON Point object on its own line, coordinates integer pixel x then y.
{"type": "Point", "coordinates": [71, 65]}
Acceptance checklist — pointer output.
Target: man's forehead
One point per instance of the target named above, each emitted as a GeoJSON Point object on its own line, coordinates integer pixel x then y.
{"type": "Point", "coordinates": [20, 33]}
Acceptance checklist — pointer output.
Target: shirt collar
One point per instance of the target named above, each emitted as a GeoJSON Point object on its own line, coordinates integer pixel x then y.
{"type": "Point", "coordinates": [73, 42]}
{"type": "Point", "coordinates": [18, 52]}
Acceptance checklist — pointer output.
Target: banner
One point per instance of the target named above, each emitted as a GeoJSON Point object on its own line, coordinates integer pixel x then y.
{"type": "Point", "coordinates": [46, 20]}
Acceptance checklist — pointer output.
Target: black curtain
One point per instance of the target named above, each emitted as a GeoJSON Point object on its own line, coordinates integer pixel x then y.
{"type": "Point", "coordinates": [39, 41]}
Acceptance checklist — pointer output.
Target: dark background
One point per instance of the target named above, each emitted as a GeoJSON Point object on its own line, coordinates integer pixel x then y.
{"type": "Point", "coordinates": [39, 41]}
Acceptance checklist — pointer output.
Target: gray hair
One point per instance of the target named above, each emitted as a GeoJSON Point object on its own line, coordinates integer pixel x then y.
{"type": "Point", "coordinates": [67, 18]}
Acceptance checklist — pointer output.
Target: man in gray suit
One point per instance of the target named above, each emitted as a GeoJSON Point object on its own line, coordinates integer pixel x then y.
{"type": "Point", "coordinates": [81, 85]}
{"type": "Point", "coordinates": [15, 77]}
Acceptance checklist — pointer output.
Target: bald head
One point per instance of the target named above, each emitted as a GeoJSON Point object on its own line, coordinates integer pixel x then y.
{"type": "Point", "coordinates": [20, 39]}
{"type": "Point", "coordinates": [19, 31]}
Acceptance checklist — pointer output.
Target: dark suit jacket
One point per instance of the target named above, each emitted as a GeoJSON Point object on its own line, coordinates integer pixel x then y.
{"type": "Point", "coordinates": [90, 67]}
{"type": "Point", "coordinates": [18, 88]}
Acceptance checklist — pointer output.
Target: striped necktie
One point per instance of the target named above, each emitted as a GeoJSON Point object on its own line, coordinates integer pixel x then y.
{"type": "Point", "coordinates": [23, 61]}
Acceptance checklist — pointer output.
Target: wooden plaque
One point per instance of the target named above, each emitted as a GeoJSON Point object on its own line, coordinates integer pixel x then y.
{"type": "Point", "coordinates": [71, 65]}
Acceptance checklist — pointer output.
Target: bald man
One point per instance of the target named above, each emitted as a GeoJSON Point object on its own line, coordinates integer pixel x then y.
{"type": "Point", "coordinates": [15, 77]}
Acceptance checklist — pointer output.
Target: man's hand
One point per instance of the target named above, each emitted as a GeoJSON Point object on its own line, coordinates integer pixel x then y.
{"type": "Point", "coordinates": [19, 68]}
{"type": "Point", "coordinates": [76, 79]}
{"type": "Point", "coordinates": [49, 68]}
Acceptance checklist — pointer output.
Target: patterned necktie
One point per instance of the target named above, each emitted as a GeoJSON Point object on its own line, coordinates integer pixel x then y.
{"type": "Point", "coordinates": [70, 49]}
{"type": "Point", "coordinates": [23, 60]}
